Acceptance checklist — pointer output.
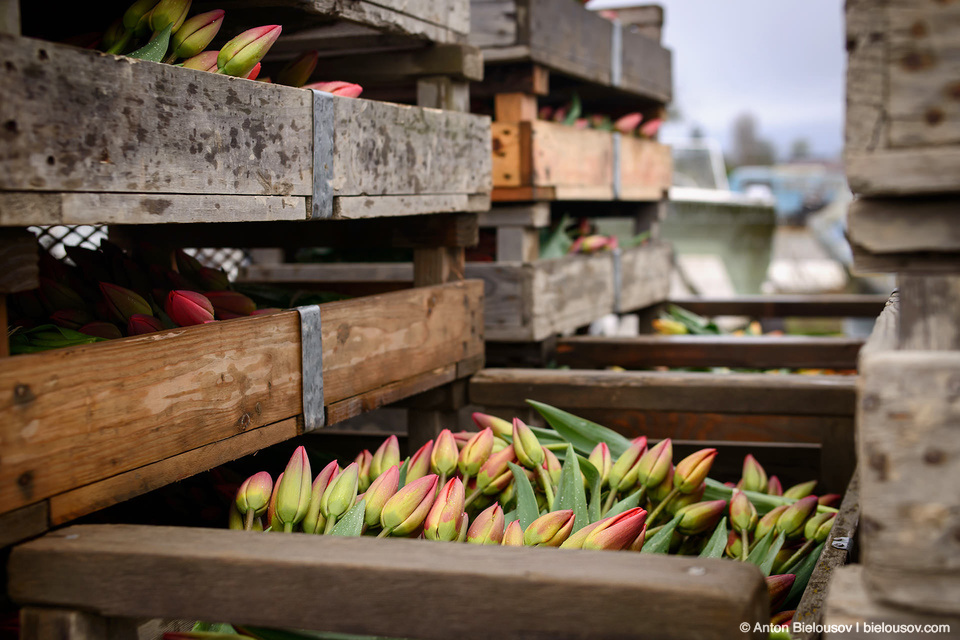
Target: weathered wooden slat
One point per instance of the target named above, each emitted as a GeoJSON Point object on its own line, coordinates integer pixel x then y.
{"type": "Point", "coordinates": [18, 261]}
{"type": "Point", "coordinates": [460, 62]}
{"type": "Point", "coordinates": [886, 330]}
{"type": "Point", "coordinates": [902, 225]}
{"type": "Point", "coordinates": [646, 169]}
{"type": "Point", "coordinates": [30, 521]}
{"type": "Point", "coordinates": [786, 306]}
{"type": "Point", "coordinates": [930, 311]}
{"type": "Point", "coordinates": [138, 571]}
{"type": "Point", "coordinates": [747, 352]}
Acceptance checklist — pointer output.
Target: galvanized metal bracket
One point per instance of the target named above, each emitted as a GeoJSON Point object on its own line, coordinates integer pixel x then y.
{"type": "Point", "coordinates": [322, 156]}
{"type": "Point", "coordinates": [616, 54]}
{"type": "Point", "coordinates": [617, 161]}
{"type": "Point", "coordinates": [617, 279]}
{"type": "Point", "coordinates": [311, 366]}
{"type": "Point", "coordinates": [841, 543]}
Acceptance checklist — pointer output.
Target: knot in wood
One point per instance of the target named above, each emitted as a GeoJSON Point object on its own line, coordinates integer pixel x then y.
{"type": "Point", "coordinates": [22, 394]}
{"type": "Point", "coordinates": [244, 422]}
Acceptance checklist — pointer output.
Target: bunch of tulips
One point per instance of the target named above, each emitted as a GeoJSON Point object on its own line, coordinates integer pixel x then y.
{"type": "Point", "coordinates": [107, 293]}
{"type": "Point", "coordinates": [631, 124]}
{"type": "Point", "coordinates": [506, 485]}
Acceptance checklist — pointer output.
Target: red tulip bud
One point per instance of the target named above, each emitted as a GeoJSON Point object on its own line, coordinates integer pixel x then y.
{"type": "Point", "coordinates": [188, 308]}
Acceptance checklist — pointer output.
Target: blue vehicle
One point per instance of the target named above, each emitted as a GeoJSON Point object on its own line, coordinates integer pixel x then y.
{"type": "Point", "coordinates": [797, 189]}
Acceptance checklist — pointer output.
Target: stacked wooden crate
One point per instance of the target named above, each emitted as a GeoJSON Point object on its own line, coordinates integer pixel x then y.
{"type": "Point", "coordinates": [188, 158]}
{"type": "Point", "coordinates": [903, 162]}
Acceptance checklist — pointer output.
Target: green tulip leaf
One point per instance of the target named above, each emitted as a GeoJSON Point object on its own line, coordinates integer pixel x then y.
{"type": "Point", "coordinates": [759, 551]}
{"type": "Point", "coordinates": [576, 108]}
{"type": "Point", "coordinates": [571, 495]}
{"type": "Point", "coordinates": [766, 566]}
{"type": "Point", "coordinates": [803, 571]}
{"type": "Point", "coordinates": [510, 516]}
{"type": "Point", "coordinates": [403, 472]}
{"type": "Point", "coordinates": [156, 49]}
{"type": "Point", "coordinates": [717, 542]}
{"type": "Point", "coordinates": [660, 542]}
{"type": "Point", "coordinates": [582, 434]}
{"type": "Point", "coordinates": [627, 503]}
{"type": "Point", "coordinates": [527, 509]}
{"type": "Point", "coordinates": [764, 503]}
{"type": "Point", "coordinates": [351, 524]}
{"type": "Point", "coordinates": [593, 482]}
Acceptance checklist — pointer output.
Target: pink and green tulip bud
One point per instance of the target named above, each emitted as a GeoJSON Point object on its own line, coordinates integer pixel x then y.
{"type": "Point", "coordinates": [743, 515]}
{"type": "Point", "coordinates": [386, 456]}
{"type": "Point", "coordinates": [552, 464]}
{"type": "Point", "coordinates": [381, 490]}
{"type": "Point", "coordinates": [801, 490]}
{"type": "Point", "coordinates": [445, 517]}
{"type": "Point", "coordinates": [213, 279]}
{"type": "Point", "coordinates": [234, 518]}
{"type": "Point", "coordinates": [637, 544]}
{"type": "Point", "coordinates": [364, 459]}
{"type": "Point", "coordinates": [230, 304]}
{"type": "Point", "coordinates": [56, 296]}
{"type": "Point", "coordinates": [649, 129]}
{"type": "Point", "coordinates": [205, 61]}
{"type": "Point", "coordinates": [617, 532]}
{"type": "Point", "coordinates": [314, 521]}
{"type": "Point", "coordinates": [499, 484]}
{"type": "Point", "coordinates": [443, 458]}
{"type": "Point", "coordinates": [779, 588]}
{"type": "Point", "coordinates": [754, 477]}
{"type": "Point", "coordinates": [783, 618]}
{"type": "Point", "coordinates": [487, 528]}
{"type": "Point", "coordinates": [628, 123]}
{"type": "Point", "coordinates": [768, 522]}
{"type": "Point", "coordinates": [273, 522]}
{"type": "Point", "coordinates": [494, 468]}
{"type": "Point", "coordinates": [685, 499]}
{"type": "Point", "coordinates": [700, 517]}
{"type": "Point", "coordinates": [654, 465]}
{"type": "Point", "coordinates": [140, 323]}
{"type": "Point", "coordinates": [254, 73]}
{"type": "Point", "coordinates": [106, 330]}
{"type": "Point", "coordinates": [195, 34]}
{"type": "Point", "coordinates": [513, 535]}
{"type": "Point", "coordinates": [171, 13]}
{"type": "Point", "coordinates": [297, 73]}
{"type": "Point", "coordinates": [549, 530]}
{"type": "Point", "coordinates": [419, 464]}
{"type": "Point", "coordinates": [734, 545]}
{"type": "Point", "coordinates": [293, 496]}
{"type": "Point", "coordinates": [337, 88]}
{"type": "Point", "coordinates": [476, 452]}
{"type": "Point", "coordinates": [508, 494]}
{"type": "Point", "coordinates": [623, 467]}
{"type": "Point", "coordinates": [241, 54]}
{"type": "Point", "coordinates": [791, 521]}
{"type": "Point", "coordinates": [71, 318]}
{"type": "Point", "coordinates": [139, 9]}
{"type": "Point", "coordinates": [406, 510]}
{"type": "Point", "coordinates": [499, 444]}
{"type": "Point", "coordinates": [254, 494]}
{"type": "Point", "coordinates": [600, 458]}
{"type": "Point", "coordinates": [341, 493]}
{"type": "Point", "coordinates": [660, 492]}
{"type": "Point", "coordinates": [818, 527]}
{"type": "Point", "coordinates": [830, 500]}
{"type": "Point", "coordinates": [187, 308]}
{"type": "Point", "coordinates": [528, 449]}
{"type": "Point", "coordinates": [575, 540]}
{"type": "Point", "coordinates": [774, 488]}
{"type": "Point", "coordinates": [501, 427]}
{"type": "Point", "coordinates": [123, 303]}
{"type": "Point", "coordinates": [462, 438]}
{"type": "Point", "coordinates": [187, 265]}
{"type": "Point", "coordinates": [692, 470]}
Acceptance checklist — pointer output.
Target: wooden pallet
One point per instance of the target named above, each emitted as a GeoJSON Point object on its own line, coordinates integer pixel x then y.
{"type": "Point", "coordinates": [787, 306]}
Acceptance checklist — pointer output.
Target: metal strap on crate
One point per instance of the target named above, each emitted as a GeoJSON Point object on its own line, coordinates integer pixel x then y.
{"type": "Point", "coordinates": [311, 359]}
{"type": "Point", "coordinates": [617, 153]}
{"type": "Point", "coordinates": [322, 155]}
{"type": "Point", "coordinates": [616, 54]}
{"type": "Point", "coordinates": [617, 279]}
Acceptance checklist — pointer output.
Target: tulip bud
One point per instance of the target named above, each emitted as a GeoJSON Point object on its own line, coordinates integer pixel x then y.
{"type": "Point", "coordinates": [600, 458]}
{"type": "Point", "coordinates": [364, 459]}
{"type": "Point", "coordinates": [205, 61]}
{"type": "Point", "coordinates": [668, 327]}
{"type": "Point", "coordinates": [488, 526]}
{"type": "Point", "coordinates": [476, 452]}
{"type": "Point", "coordinates": [106, 330]}
{"type": "Point", "coordinates": [314, 521]}
{"type": "Point", "coordinates": [140, 323]}
{"type": "Point", "coordinates": [575, 540]}
{"type": "Point", "coordinates": [419, 464]}
{"type": "Point", "coordinates": [779, 588]}
{"type": "Point", "coordinates": [71, 318]}
{"type": "Point", "coordinates": [445, 517]}
{"type": "Point", "coordinates": [829, 500]}
{"type": "Point", "coordinates": [140, 8]}
{"type": "Point", "coordinates": [622, 470]}
{"type": "Point", "coordinates": [195, 34]}
{"type": "Point", "coordinates": [617, 532]}
{"type": "Point", "coordinates": [56, 296]}
{"type": "Point", "coordinates": [685, 499]}
{"type": "Point", "coordinates": [790, 523]}
{"type": "Point", "coordinates": [549, 530]}
{"type": "Point", "coordinates": [443, 458]}
{"type": "Point", "coordinates": [341, 494]}
{"type": "Point", "coordinates": [649, 129]}
{"type": "Point", "coordinates": [654, 465]}
{"type": "Point", "coordinates": [298, 72]}
{"type": "Point", "coordinates": [213, 279]}
{"type": "Point", "coordinates": [508, 494]}
{"type": "Point", "coordinates": [337, 88]}
{"type": "Point", "coordinates": [525, 444]}
{"type": "Point", "coordinates": [743, 515]}
{"type": "Point", "coordinates": [637, 544]}
{"type": "Point", "coordinates": [381, 490]}
{"type": "Point", "coordinates": [499, 444]}
{"type": "Point", "coordinates": [700, 517]}
{"type": "Point", "coordinates": [494, 468]}
{"type": "Point", "coordinates": [386, 456]}
{"type": "Point", "coordinates": [552, 464]}
{"type": "Point", "coordinates": [513, 535]}
{"type": "Point", "coordinates": [754, 477]}
{"type": "Point", "coordinates": [188, 308]}
{"type": "Point", "coordinates": [818, 527]}
{"type": "Point", "coordinates": [500, 427]}
{"type": "Point", "coordinates": [293, 495]}
{"type": "Point", "coordinates": [628, 123]}
{"type": "Point", "coordinates": [660, 492]}
{"type": "Point", "coordinates": [254, 494]}
{"type": "Point", "coordinates": [734, 545]}
{"type": "Point", "coordinates": [169, 12]}
{"type": "Point", "coordinates": [406, 510]}
{"type": "Point", "coordinates": [123, 303]}
{"type": "Point", "coordinates": [768, 522]}
{"type": "Point", "coordinates": [230, 304]}
{"type": "Point", "coordinates": [241, 54]}
{"type": "Point", "coordinates": [801, 490]}
{"type": "Point", "coordinates": [774, 488]}
{"type": "Point", "coordinates": [273, 522]}
{"type": "Point", "coordinates": [692, 470]}
{"type": "Point", "coordinates": [254, 73]}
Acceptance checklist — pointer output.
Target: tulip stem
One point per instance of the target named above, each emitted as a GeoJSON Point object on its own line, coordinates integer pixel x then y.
{"type": "Point", "coordinates": [744, 544]}
{"type": "Point", "coordinates": [652, 532]}
{"type": "Point", "coordinates": [796, 557]}
{"type": "Point", "coordinates": [329, 524]}
{"type": "Point", "coordinates": [443, 481]}
{"type": "Point", "coordinates": [611, 497]}
{"type": "Point", "coordinates": [248, 523]}
{"type": "Point", "coordinates": [384, 533]}
{"type": "Point", "coordinates": [547, 487]}
{"type": "Point", "coordinates": [288, 527]}
{"type": "Point", "coordinates": [473, 496]}
{"type": "Point", "coordinates": [465, 479]}
{"type": "Point", "coordinates": [652, 517]}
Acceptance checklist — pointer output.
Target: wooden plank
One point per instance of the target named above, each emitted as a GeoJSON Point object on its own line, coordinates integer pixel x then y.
{"type": "Point", "coordinates": [493, 24]}
{"type": "Point", "coordinates": [21, 524]}
{"type": "Point", "coordinates": [866, 263]}
{"type": "Point", "coordinates": [909, 443]}
{"type": "Point", "coordinates": [49, 624]}
{"type": "Point", "coordinates": [886, 330]}
{"type": "Point", "coordinates": [929, 312]}
{"type": "Point", "coordinates": [569, 292]}
{"type": "Point", "coordinates": [443, 92]}
{"type": "Point", "coordinates": [568, 38]}
{"type": "Point", "coordinates": [569, 158]}
{"type": "Point", "coordinates": [866, 27]}
{"type": "Point", "coordinates": [121, 487]}
{"type": "Point", "coordinates": [897, 225]}
{"type": "Point", "coordinates": [515, 107]}
{"type": "Point", "coordinates": [746, 352]}
{"type": "Point", "coordinates": [522, 194]}
{"type": "Point", "coordinates": [315, 273]}
{"type": "Point", "coordinates": [903, 172]}
{"type": "Point", "coordinates": [388, 394]}
{"type": "Point", "coordinates": [460, 62]}
{"type": "Point", "coordinates": [646, 169]}
{"type": "Point", "coordinates": [521, 77]}
{"type": "Point", "coordinates": [644, 19]}
{"type": "Point", "coordinates": [19, 269]}
{"type": "Point", "coordinates": [506, 296]}
{"type": "Point", "coordinates": [647, 67]}
{"type": "Point", "coordinates": [536, 215]}
{"type": "Point", "coordinates": [745, 393]}
{"type": "Point", "coordinates": [10, 17]}
{"type": "Point", "coordinates": [518, 244]}
{"type": "Point", "coordinates": [439, 265]}
{"type": "Point", "coordinates": [787, 306]}
{"type": "Point", "coordinates": [512, 154]}
{"type": "Point", "coordinates": [135, 570]}
{"type": "Point", "coordinates": [645, 275]}
{"type": "Point", "coordinates": [359, 207]}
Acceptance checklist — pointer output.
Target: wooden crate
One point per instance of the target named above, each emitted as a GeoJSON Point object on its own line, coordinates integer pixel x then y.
{"type": "Point", "coordinates": [87, 427]}
{"type": "Point", "coordinates": [833, 305]}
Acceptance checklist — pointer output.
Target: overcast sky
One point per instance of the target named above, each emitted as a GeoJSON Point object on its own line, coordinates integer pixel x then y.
{"type": "Point", "coordinates": [782, 60]}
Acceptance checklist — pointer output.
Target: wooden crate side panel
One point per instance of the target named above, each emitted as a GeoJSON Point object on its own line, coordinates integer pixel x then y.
{"type": "Point", "coordinates": [567, 37]}
{"type": "Point", "coordinates": [646, 169]}
{"type": "Point", "coordinates": [569, 158]}
{"type": "Point", "coordinates": [507, 308]}
{"type": "Point", "coordinates": [647, 67]}
{"type": "Point", "coordinates": [866, 26]}
{"type": "Point", "coordinates": [909, 441]}
{"type": "Point", "coordinates": [196, 134]}
{"type": "Point", "coordinates": [453, 14]}
{"type": "Point", "coordinates": [570, 292]}
{"type": "Point", "coordinates": [645, 276]}
{"type": "Point", "coordinates": [511, 160]}
{"type": "Point", "coordinates": [493, 23]}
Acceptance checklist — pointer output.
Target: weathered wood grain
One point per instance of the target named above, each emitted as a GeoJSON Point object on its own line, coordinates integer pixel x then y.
{"type": "Point", "coordinates": [10, 17]}
{"type": "Point", "coordinates": [19, 269]}
{"type": "Point", "coordinates": [565, 157]}
{"type": "Point", "coordinates": [307, 273]}
{"type": "Point", "coordinates": [902, 225]}
{"type": "Point", "coordinates": [493, 24]}
{"type": "Point", "coordinates": [747, 352]}
{"type": "Point", "coordinates": [535, 214]}
{"type": "Point", "coordinates": [645, 276]}
{"type": "Point", "coordinates": [787, 306]}
{"type": "Point", "coordinates": [646, 169]}
{"type": "Point", "coordinates": [130, 570]}
{"type": "Point", "coordinates": [18, 525]}
{"type": "Point", "coordinates": [929, 312]}
{"type": "Point", "coordinates": [512, 163]}
{"type": "Point", "coordinates": [460, 62]}
{"type": "Point", "coordinates": [886, 330]}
